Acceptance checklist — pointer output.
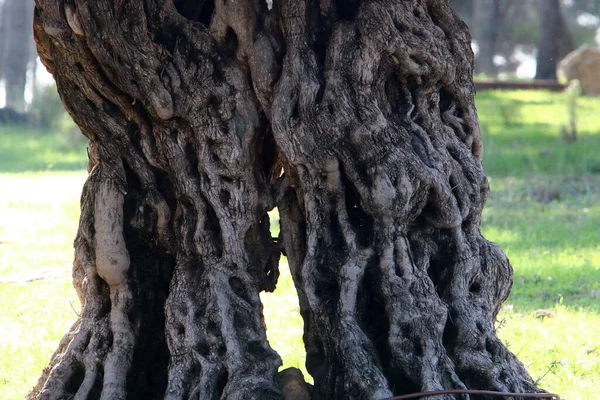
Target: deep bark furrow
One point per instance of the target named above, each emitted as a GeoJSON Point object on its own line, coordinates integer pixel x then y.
{"type": "Point", "coordinates": [192, 108]}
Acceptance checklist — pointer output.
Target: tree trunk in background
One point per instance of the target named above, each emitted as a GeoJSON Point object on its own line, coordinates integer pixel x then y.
{"type": "Point", "coordinates": [555, 40]}
{"type": "Point", "coordinates": [486, 25]}
{"type": "Point", "coordinates": [2, 36]}
{"type": "Point", "coordinates": [16, 49]}
{"type": "Point", "coordinates": [369, 109]}
{"type": "Point", "coordinates": [464, 8]}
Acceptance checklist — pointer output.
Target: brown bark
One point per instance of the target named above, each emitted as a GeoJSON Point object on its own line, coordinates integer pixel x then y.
{"type": "Point", "coordinates": [555, 40]}
{"type": "Point", "coordinates": [192, 108]}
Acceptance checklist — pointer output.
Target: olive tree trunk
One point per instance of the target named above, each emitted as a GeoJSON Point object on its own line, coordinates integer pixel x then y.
{"type": "Point", "coordinates": [355, 119]}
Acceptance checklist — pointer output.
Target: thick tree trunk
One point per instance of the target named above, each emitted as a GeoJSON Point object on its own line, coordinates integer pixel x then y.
{"type": "Point", "coordinates": [192, 108]}
{"type": "Point", "coordinates": [16, 50]}
{"type": "Point", "coordinates": [555, 40]}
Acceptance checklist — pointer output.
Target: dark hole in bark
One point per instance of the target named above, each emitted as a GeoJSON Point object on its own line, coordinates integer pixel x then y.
{"type": "Point", "coordinates": [238, 288]}
{"type": "Point", "coordinates": [406, 330]}
{"type": "Point", "coordinates": [400, 27]}
{"type": "Point", "coordinates": [440, 270]}
{"type": "Point", "coordinates": [347, 9]}
{"type": "Point", "coordinates": [180, 330]}
{"type": "Point", "coordinates": [418, 348]}
{"type": "Point", "coordinates": [270, 164]}
{"type": "Point", "coordinates": [224, 197]}
{"type": "Point", "coordinates": [362, 172]}
{"type": "Point", "coordinates": [101, 292]}
{"type": "Point", "coordinates": [76, 378]}
{"type": "Point", "coordinates": [111, 109]}
{"type": "Point", "coordinates": [96, 391]}
{"type": "Point", "coordinates": [475, 287]}
{"type": "Point", "coordinates": [450, 334]}
{"type": "Point", "coordinates": [109, 340]}
{"type": "Point", "coordinates": [212, 329]}
{"type": "Point", "coordinates": [231, 42]}
{"type": "Point", "coordinates": [415, 60]}
{"type": "Point", "coordinates": [256, 349]}
{"type": "Point", "coordinates": [411, 88]}
{"type": "Point", "coordinates": [196, 10]}
{"type": "Point", "coordinates": [373, 315]}
{"type": "Point", "coordinates": [316, 362]}
{"type": "Point", "coordinates": [212, 224]}
{"type": "Point", "coordinates": [397, 99]}
{"type": "Point", "coordinates": [480, 327]}
{"type": "Point", "coordinates": [203, 349]}
{"type": "Point", "coordinates": [165, 188]}
{"type": "Point", "coordinates": [319, 96]}
{"type": "Point", "coordinates": [490, 347]}
{"type": "Point", "coordinates": [192, 158]}
{"type": "Point", "coordinates": [91, 105]}
{"type": "Point", "coordinates": [446, 100]}
{"type": "Point", "coordinates": [328, 291]}
{"type": "Point", "coordinates": [361, 222]}
{"type": "Point", "coordinates": [336, 236]}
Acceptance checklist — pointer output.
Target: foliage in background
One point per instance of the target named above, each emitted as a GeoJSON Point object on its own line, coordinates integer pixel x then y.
{"type": "Point", "coordinates": [517, 26]}
{"type": "Point", "coordinates": [47, 107]}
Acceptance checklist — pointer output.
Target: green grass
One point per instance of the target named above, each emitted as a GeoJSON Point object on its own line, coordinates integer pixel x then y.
{"type": "Point", "coordinates": [36, 149]}
{"type": "Point", "coordinates": [543, 211]}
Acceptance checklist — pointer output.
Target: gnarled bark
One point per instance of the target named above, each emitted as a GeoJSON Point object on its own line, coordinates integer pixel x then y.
{"type": "Point", "coordinates": [192, 109]}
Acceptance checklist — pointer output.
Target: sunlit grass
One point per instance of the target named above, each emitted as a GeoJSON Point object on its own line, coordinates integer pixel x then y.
{"type": "Point", "coordinates": [33, 316]}
{"type": "Point", "coordinates": [36, 149]}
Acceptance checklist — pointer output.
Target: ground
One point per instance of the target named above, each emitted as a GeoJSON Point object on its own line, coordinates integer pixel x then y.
{"type": "Point", "coordinates": [543, 211]}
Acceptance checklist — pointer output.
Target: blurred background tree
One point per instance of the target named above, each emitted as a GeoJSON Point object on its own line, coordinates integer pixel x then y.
{"type": "Point", "coordinates": [509, 35]}
{"type": "Point", "coordinates": [17, 51]}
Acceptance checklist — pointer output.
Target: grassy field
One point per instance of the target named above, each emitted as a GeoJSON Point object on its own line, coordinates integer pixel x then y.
{"type": "Point", "coordinates": [543, 211]}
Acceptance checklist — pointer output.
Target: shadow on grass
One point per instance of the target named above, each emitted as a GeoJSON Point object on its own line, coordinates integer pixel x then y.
{"type": "Point", "coordinates": [538, 149]}
{"type": "Point", "coordinates": [28, 149]}
{"type": "Point", "coordinates": [554, 246]}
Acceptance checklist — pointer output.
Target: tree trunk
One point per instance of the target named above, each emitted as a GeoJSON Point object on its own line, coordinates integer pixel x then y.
{"type": "Point", "coordinates": [486, 25]}
{"type": "Point", "coordinates": [16, 50]}
{"type": "Point", "coordinates": [2, 36]}
{"type": "Point", "coordinates": [192, 109]}
{"type": "Point", "coordinates": [555, 40]}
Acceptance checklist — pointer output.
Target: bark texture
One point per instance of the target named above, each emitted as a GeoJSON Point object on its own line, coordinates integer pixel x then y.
{"type": "Point", "coordinates": [356, 119]}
